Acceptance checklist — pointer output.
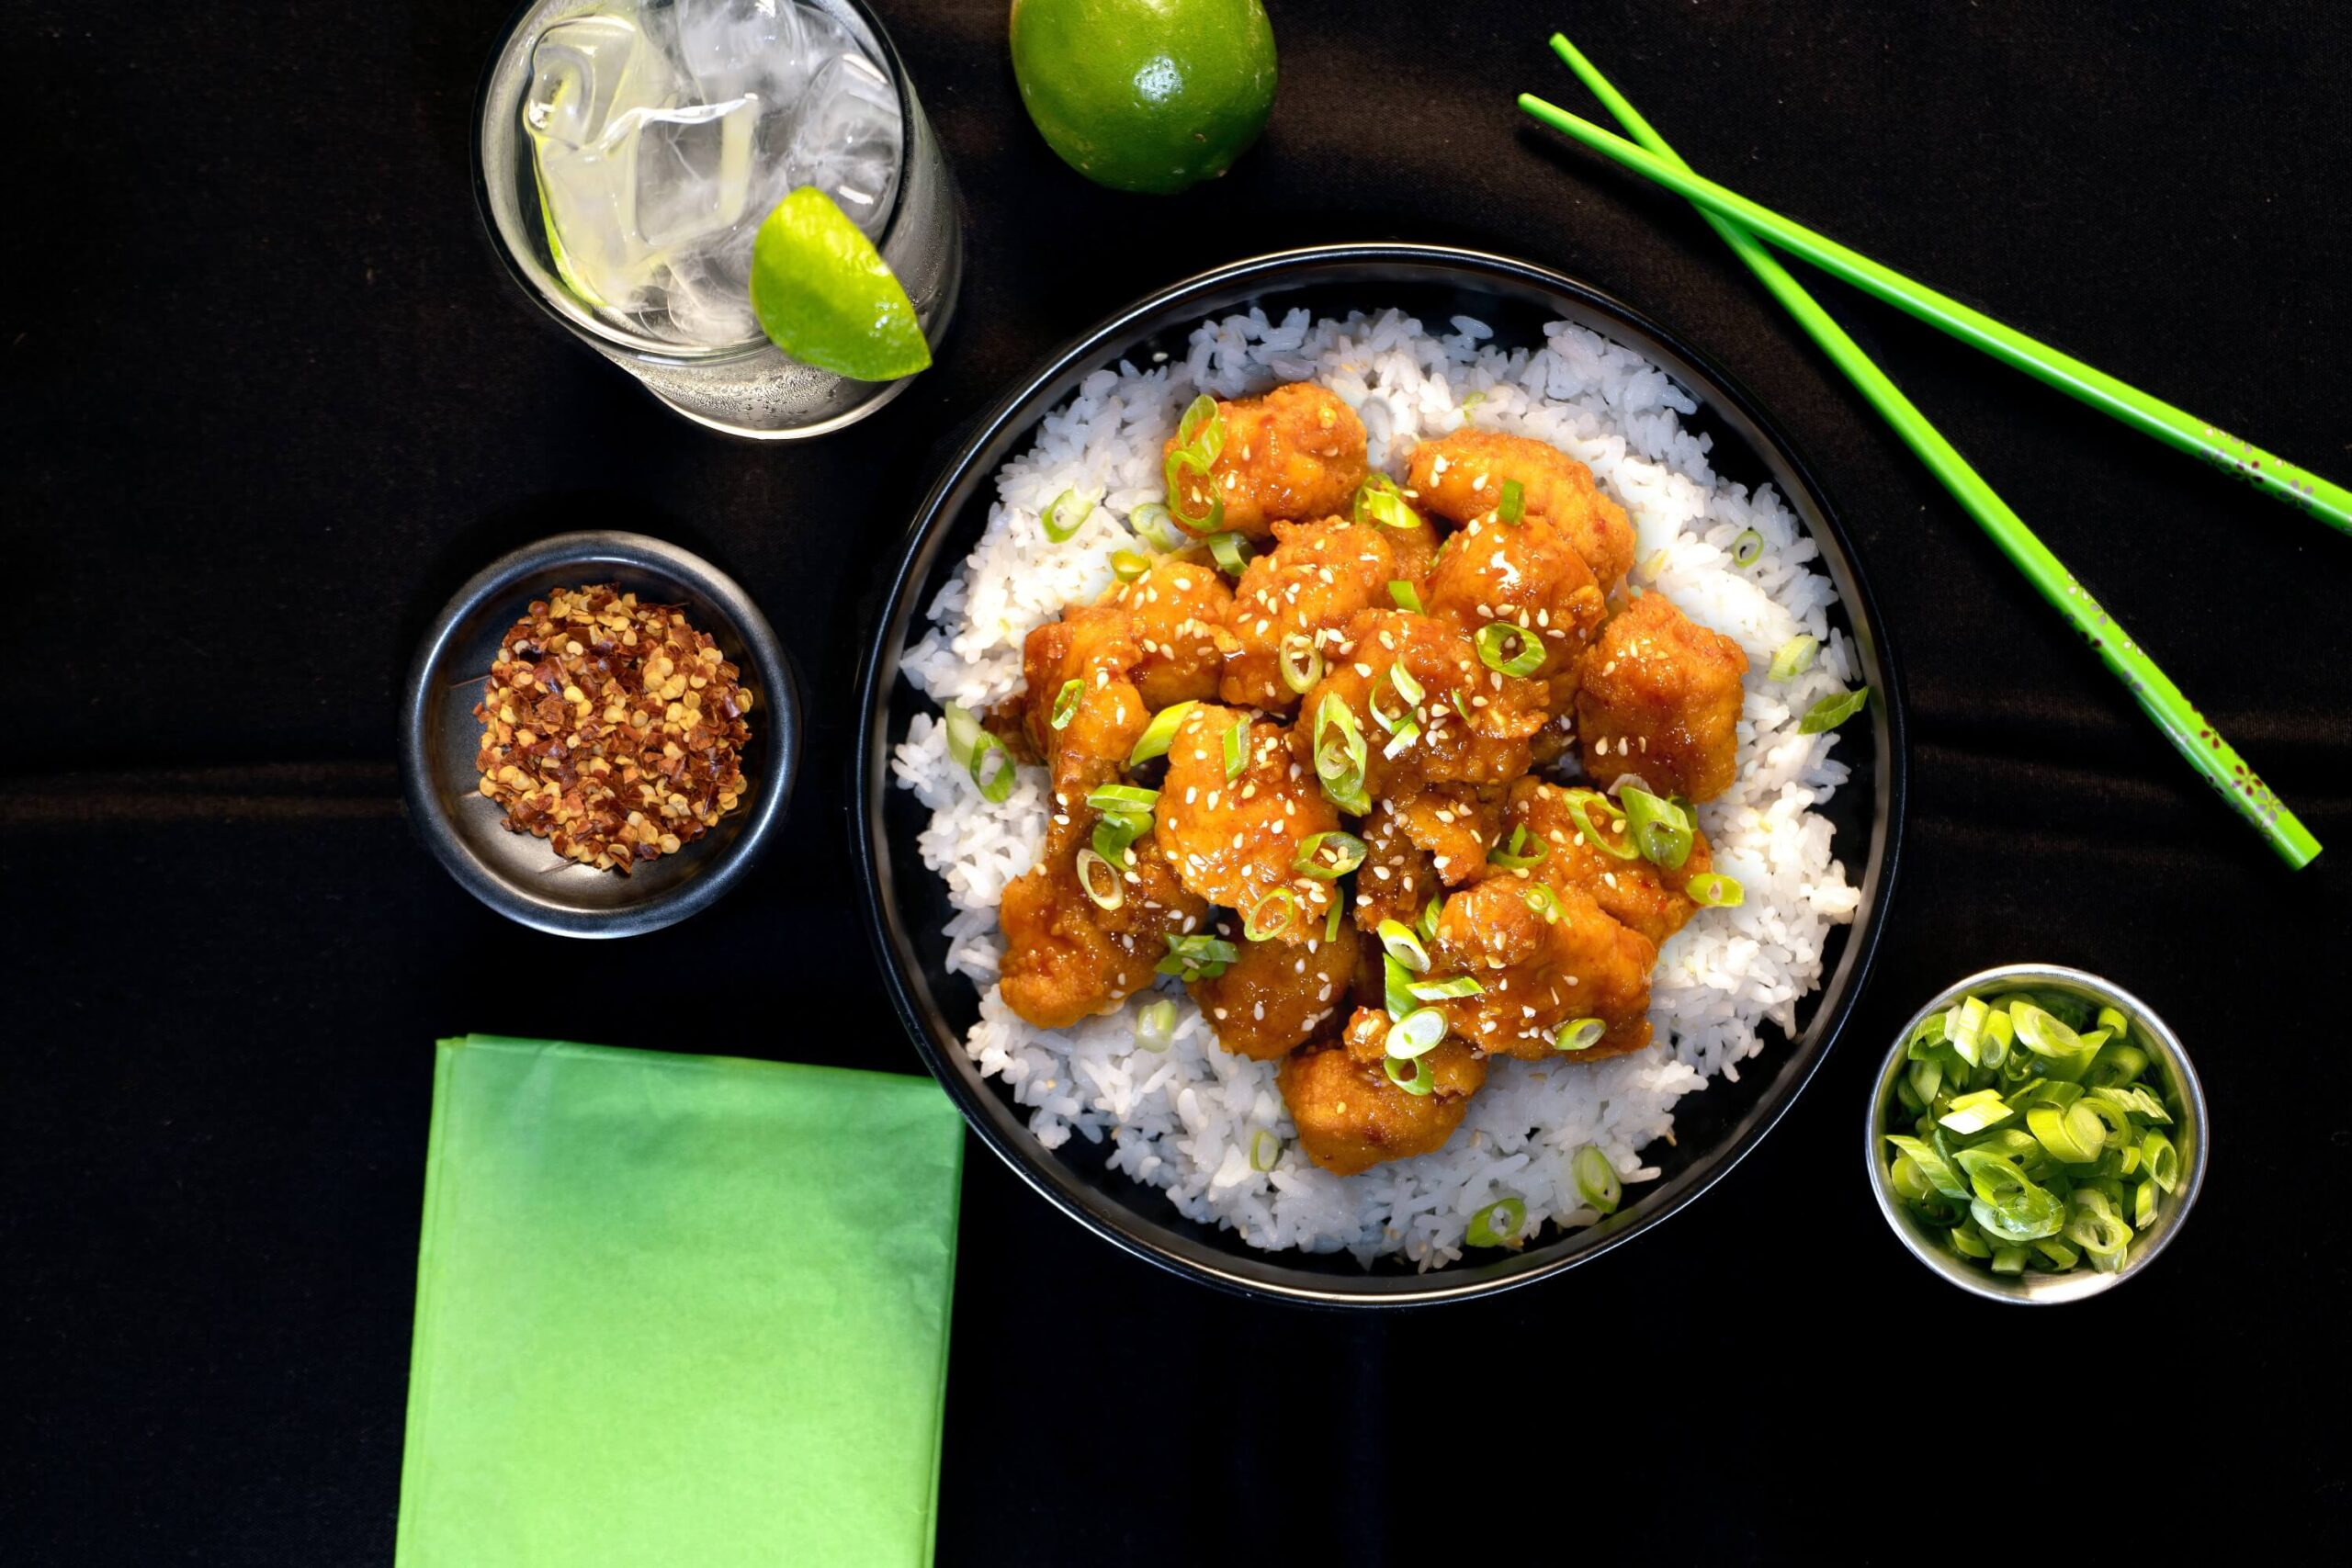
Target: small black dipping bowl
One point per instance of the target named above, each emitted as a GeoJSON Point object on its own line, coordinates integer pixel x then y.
{"type": "Point", "coordinates": [909, 903]}
{"type": "Point", "coordinates": [520, 876]}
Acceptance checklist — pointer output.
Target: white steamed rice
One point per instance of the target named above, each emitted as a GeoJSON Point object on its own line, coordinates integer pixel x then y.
{"type": "Point", "coordinates": [1184, 1119]}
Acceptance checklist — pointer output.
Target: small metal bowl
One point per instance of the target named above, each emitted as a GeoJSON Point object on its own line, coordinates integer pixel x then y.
{"type": "Point", "coordinates": [520, 876]}
{"type": "Point", "coordinates": [2188, 1134]}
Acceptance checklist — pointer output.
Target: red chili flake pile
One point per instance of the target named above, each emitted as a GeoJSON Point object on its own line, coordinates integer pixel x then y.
{"type": "Point", "coordinates": [612, 729]}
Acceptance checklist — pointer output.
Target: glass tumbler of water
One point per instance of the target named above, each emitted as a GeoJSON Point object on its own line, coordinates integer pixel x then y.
{"type": "Point", "coordinates": [626, 151]}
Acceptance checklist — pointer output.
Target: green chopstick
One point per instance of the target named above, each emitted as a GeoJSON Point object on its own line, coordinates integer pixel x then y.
{"type": "Point", "coordinates": [2274, 476]}
{"type": "Point", "coordinates": [2182, 724]}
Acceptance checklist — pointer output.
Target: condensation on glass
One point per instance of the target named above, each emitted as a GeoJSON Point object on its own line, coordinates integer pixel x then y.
{"type": "Point", "coordinates": [626, 151]}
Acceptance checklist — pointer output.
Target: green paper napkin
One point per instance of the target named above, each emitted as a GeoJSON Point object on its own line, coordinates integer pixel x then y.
{"type": "Point", "coordinates": [683, 1309]}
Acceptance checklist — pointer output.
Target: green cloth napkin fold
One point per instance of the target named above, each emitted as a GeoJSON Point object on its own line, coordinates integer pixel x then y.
{"type": "Point", "coordinates": [683, 1309]}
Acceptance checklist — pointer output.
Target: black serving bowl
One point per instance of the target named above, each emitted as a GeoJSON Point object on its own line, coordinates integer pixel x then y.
{"type": "Point", "coordinates": [909, 903]}
{"type": "Point", "coordinates": [521, 876]}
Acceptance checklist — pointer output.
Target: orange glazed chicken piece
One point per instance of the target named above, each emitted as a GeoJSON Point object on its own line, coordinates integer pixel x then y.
{"type": "Point", "coordinates": [1543, 959]}
{"type": "Point", "coordinates": [1300, 596]}
{"type": "Point", "coordinates": [1065, 957]}
{"type": "Point", "coordinates": [1093, 645]}
{"type": "Point", "coordinates": [1468, 724]}
{"type": "Point", "coordinates": [1350, 1116]}
{"type": "Point", "coordinates": [1298, 452]}
{"type": "Point", "coordinates": [1278, 995]}
{"type": "Point", "coordinates": [1460, 477]}
{"type": "Point", "coordinates": [1647, 899]}
{"type": "Point", "coordinates": [1174, 612]}
{"type": "Point", "coordinates": [1660, 697]}
{"type": "Point", "coordinates": [1234, 833]}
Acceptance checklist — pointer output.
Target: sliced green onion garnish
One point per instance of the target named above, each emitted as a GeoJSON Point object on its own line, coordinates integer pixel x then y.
{"type": "Point", "coordinates": [1100, 881]}
{"type": "Point", "coordinates": [1522, 851]}
{"type": "Point", "coordinates": [995, 787]}
{"type": "Point", "coordinates": [1066, 703]}
{"type": "Point", "coordinates": [1833, 710]}
{"type": "Point", "coordinates": [1597, 1181]}
{"type": "Point", "coordinates": [1405, 946]}
{"type": "Point", "coordinates": [1407, 733]}
{"type": "Point", "coordinates": [1932, 1165]}
{"type": "Point", "coordinates": [2060, 1172]}
{"type": "Point", "coordinates": [1713, 890]}
{"type": "Point", "coordinates": [1541, 900]}
{"type": "Point", "coordinates": [1236, 749]}
{"type": "Point", "coordinates": [964, 728]}
{"type": "Point", "coordinates": [1412, 1074]}
{"type": "Point", "coordinates": [1340, 755]}
{"type": "Point", "coordinates": [1514, 505]}
{"type": "Point", "coordinates": [1160, 733]}
{"type": "Point", "coordinates": [1122, 798]}
{"type": "Point", "coordinates": [1329, 855]}
{"type": "Point", "coordinates": [1498, 1223]}
{"type": "Point", "coordinates": [1747, 548]}
{"type": "Point", "coordinates": [1407, 597]}
{"type": "Point", "coordinates": [2009, 1260]}
{"type": "Point", "coordinates": [1582, 804]}
{"type": "Point", "coordinates": [1396, 987]}
{"type": "Point", "coordinates": [1661, 828]}
{"type": "Point", "coordinates": [1300, 662]}
{"type": "Point", "coordinates": [1964, 1026]}
{"type": "Point", "coordinates": [1379, 501]}
{"type": "Point", "coordinates": [1182, 462]}
{"type": "Point", "coordinates": [1202, 427]}
{"type": "Point", "coordinates": [2116, 1063]}
{"type": "Point", "coordinates": [1496, 636]}
{"type": "Point", "coordinates": [1795, 657]}
{"type": "Point", "coordinates": [2061, 1255]}
{"type": "Point", "coordinates": [1152, 524]}
{"type": "Point", "coordinates": [1412, 691]}
{"type": "Point", "coordinates": [2095, 1226]}
{"type": "Point", "coordinates": [1116, 831]}
{"type": "Point", "coordinates": [1155, 1025]}
{"type": "Point", "coordinates": [1578, 1034]}
{"type": "Point", "coordinates": [1066, 511]}
{"type": "Point", "coordinates": [2072, 1135]}
{"type": "Point", "coordinates": [1128, 565]}
{"type": "Point", "coordinates": [1974, 1113]}
{"type": "Point", "coordinates": [1472, 400]}
{"type": "Point", "coordinates": [1446, 990]}
{"type": "Point", "coordinates": [1417, 1033]}
{"type": "Point", "coordinates": [1430, 911]}
{"type": "Point", "coordinates": [1232, 556]}
{"type": "Point", "coordinates": [1265, 1150]}
{"type": "Point", "coordinates": [1331, 920]}
{"type": "Point", "coordinates": [2134, 1099]}
{"type": "Point", "coordinates": [1197, 957]}
{"type": "Point", "coordinates": [1271, 915]}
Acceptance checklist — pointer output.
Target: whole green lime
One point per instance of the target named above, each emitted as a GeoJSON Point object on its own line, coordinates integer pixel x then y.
{"type": "Point", "coordinates": [1146, 94]}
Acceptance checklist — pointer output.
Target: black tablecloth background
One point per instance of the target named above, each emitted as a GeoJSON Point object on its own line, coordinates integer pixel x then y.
{"type": "Point", "coordinates": [268, 402]}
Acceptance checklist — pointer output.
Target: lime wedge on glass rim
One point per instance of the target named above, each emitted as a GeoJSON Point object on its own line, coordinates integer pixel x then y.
{"type": "Point", "coordinates": [825, 296]}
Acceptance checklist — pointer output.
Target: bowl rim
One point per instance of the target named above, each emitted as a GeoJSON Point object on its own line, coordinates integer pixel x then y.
{"type": "Point", "coordinates": [2075, 1284]}
{"type": "Point", "coordinates": [643, 553]}
{"type": "Point", "coordinates": [1017, 410]}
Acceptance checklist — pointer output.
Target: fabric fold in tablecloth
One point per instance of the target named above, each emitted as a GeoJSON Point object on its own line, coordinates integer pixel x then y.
{"type": "Point", "coordinates": [677, 1310]}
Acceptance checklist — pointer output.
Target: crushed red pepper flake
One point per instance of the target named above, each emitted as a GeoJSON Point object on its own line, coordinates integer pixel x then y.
{"type": "Point", "coordinates": [612, 729]}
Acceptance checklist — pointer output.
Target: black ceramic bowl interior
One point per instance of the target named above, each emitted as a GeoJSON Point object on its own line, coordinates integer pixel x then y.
{"type": "Point", "coordinates": [909, 905]}
{"type": "Point", "coordinates": [519, 875]}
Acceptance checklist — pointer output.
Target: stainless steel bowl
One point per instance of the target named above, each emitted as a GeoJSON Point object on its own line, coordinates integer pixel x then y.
{"type": "Point", "coordinates": [2164, 1052]}
{"type": "Point", "coordinates": [519, 875]}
